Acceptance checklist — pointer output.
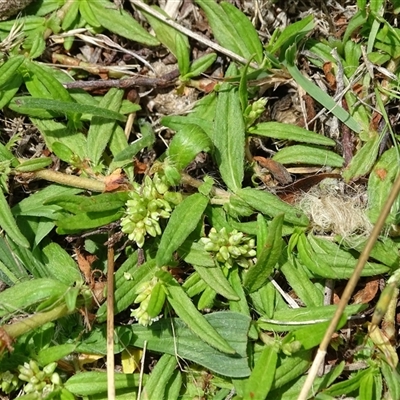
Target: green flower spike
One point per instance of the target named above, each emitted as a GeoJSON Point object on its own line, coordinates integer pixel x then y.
{"type": "Point", "coordinates": [230, 248]}
{"type": "Point", "coordinates": [144, 209]}
{"type": "Point", "coordinates": [151, 296]}
{"type": "Point", "coordinates": [39, 382]}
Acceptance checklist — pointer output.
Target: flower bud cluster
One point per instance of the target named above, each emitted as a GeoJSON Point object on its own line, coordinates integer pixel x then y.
{"type": "Point", "coordinates": [253, 111]}
{"type": "Point", "coordinates": [148, 203]}
{"type": "Point", "coordinates": [151, 298]}
{"type": "Point", "coordinates": [41, 382]}
{"type": "Point", "coordinates": [230, 248]}
{"type": "Point", "coordinates": [9, 382]}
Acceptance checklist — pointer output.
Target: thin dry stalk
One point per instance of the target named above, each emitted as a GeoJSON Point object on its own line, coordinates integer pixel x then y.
{"type": "Point", "coordinates": [348, 291]}
{"type": "Point", "coordinates": [110, 320]}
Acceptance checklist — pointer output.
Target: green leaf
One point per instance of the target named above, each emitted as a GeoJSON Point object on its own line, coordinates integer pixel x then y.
{"type": "Point", "coordinates": [10, 89]}
{"type": "Point", "coordinates": [182, 342]}
{"type": "Point", "coordinates": [127, 279]}
{"type": "Point", "coordinates": [120, 22]}
{"type": "Point", "coordinates": [292, 33]}
{"type": "Point", "coordinates": [34, 164]}
{"type": "Point", "coordinates": [318, 94]}
{"type": "Point", "coordinates": [363, 161]}
{"type": "Point", "coordinates": [159, 377]}
{"type": "Point", "coordinates": [54, 132]}
{"type": "Point", "coordinates": [87, 221]}
{"type": "Point", "coordinates": [271, 205]}
{"type": "Point", "coordinates": [34, 204]}
{"type": "Point", "coordinates": [226, 33]}
{"type": "Point", "coordinates": [8, 223]}
{"type": "Point", "coordinates": [278, 130]}
{"type": "Point", "coordinates": [215, 278]}
{"type": "Point", "coordinates": [101, 128]}
{"type": "Point", "coordinates": [246, 32]}
{"type": "Point", "coordinates": [349, 385]}
{"type": "Point", "coordinates": [34, 292]}
{"type": "Point", "coordinates": [80, 204]}
{"type": "Point", "coordinates": [54, 353]}
{"type": "Point", "coordinates": [176, 42]}
{"type": "Point", "coordinates": [200, 65]}
{"type": "Point", "coordinates": [195, 254]}
{"type": "Point", "coordinates": [258, 275]}
{"type": "Point", "coordinates": [229, 138]}
{"type": "Point", "coordinates": [78, 383]}
{"type": "Point", "coordinates": [262, 376]}
{"type": "Point", "coordinates": [380, 184]}
{"type": "Point", "coordinates": [181, 224]}
{"type": "Point", "coordinates": [391, 380]}
{"type": "Point", "coordinates": [52, 88]}
{"type": "Point", "coordinates": [289, 368]}
{"type": "Point", "coordinates": [88, 14]}
{"type": "Point", "coordinates": [309, 155]}
{"type": "Point", "coordinates": [185, 310]}
{"type": "Point", "coordinates": [24, 104]}
{"type": "Point", "coordinates": [70, 17]}
{"type": "Point", "coordinates": [186, 144]}
{"type": "Point", "coordinates": [295, 318]}
{"type": "Point", "coordinates": [60, 264]}
{"type": "Point", "coordinates": [308, 336]}
{"type": "Point", "coordinates": [300, 282]}
{"type": "Point", "coordinates": [125, 156]}
{"type": "Point", "coordinates": [173, 336]}
{"type": "Point", "coordinates": [9, 69]}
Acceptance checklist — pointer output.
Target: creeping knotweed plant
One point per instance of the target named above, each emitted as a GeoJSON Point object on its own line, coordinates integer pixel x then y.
{"type": "Point", "coordinates": [148, 203]}
{"type": "Point", "coordinates": [39, 382]}
{"type": "Point", "coordinates": [230, 248]}
{"type": "Point", "coordinates": [151, 296]}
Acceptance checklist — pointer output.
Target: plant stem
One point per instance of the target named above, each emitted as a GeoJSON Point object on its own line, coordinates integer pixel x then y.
{"type": "Point", "coordinates": [25, 325]}
{"type": "Point", "coordinates": [69, 180]}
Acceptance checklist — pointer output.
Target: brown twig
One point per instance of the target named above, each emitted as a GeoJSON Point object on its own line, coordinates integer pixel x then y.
{"type": "Point", "coordinates": [136, 81]}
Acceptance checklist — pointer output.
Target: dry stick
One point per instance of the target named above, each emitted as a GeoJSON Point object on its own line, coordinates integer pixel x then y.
{"type": "Point", "coordinates": [110, 321]}
{"type": "Point", "coordinates": [191, 34]}
{"type": "Point", "coordinates": [351, 284]}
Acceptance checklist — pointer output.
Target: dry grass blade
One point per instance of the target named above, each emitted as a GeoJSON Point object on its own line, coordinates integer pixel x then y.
{"type": "Point", "coordinates": [351, 284]}
{"type": "Point", "coordinates": [110, 320]}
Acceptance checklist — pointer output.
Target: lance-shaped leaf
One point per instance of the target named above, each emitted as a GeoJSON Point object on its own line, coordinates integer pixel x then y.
{"type": "Point", "coordinates": [26, 104]}
{"type": "Point", "coordinates": [34, 292]}
{"type": "Point", "coordinates": [120, 22]}
{"type": "Point", "coordinates": [182, 223]}
{"type": "Point", "coordinates": [229, 138]}
{"type": "Point", "coordinates": [271, 205]}
{"type": "Point", "coordinates": [159, 377]}
{"type": "Point", "coordinates": [176, 42]}
{"type": "Point", "coordinates": [279, 130]}
{"type": "Point", "coordinates": [301, 154]}
{"type": "Point", "coordinates": [101, 128]}
{"type": "Point", "coordinates": [9, 69]}
{"type": "Point", "coordinates": [216, 279]}
{"type": "Point", "coordinates": [7, 222]}
{"type": "Point", "coordinates": [262, 376]}
{"type": "Point", "coordinates": [258, 275]}
{"type": "Point", "coordinates": [185, 310]}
